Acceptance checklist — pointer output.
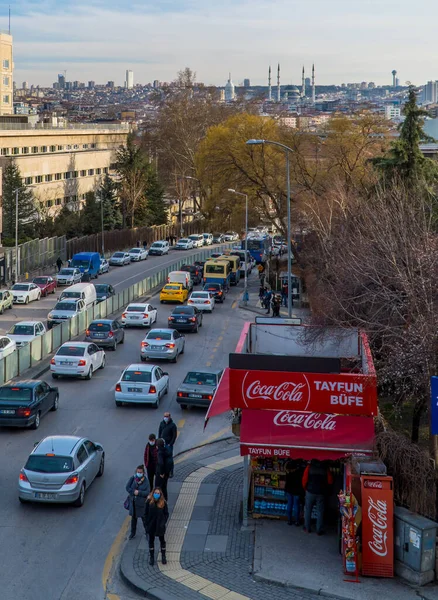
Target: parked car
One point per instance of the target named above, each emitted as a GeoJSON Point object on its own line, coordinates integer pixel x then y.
{"type": "Point", "coordinates": [137, 254]}
{"type": "Point", "coordinates": [120, 259]}
{"type": "Point", "coordinates": [195, 273]}
{"type": "Point", "coordinates": [139, 315]}
{"type": "Point", "coordinates": [25, 332]}
{"type": "Point", "coordinates": [218, 238]}
{"type": "Point", "coordinates": [6, 300]}
{"type": "Point", "coordinates": [7, 346]}
{"type": "Point", "coordinates": [23, 403]}
{"type": "Point", "coordinates": [106, 333]}
{"type": "Point", "coordinates": [184, 244]}
{"type": "Point", "coordinates": [66, 309]}
{"type": "Point", "coordinates": [46, 284]}
{"type": "Point", "coordinates": [197, 239]}
{"type": "Point", "coordinates": [68, 276]}
{"type": "Point", "coordinates": [217, 290]}
{"type": "Point", "coordinates": [166, 344]}
{"type": "Point", "coordinates": [104, 291]}
{"type": "Point", "coordinates": [185, 318]}
{"type": "Point", "coordinates": [208, 239]}
{"type": "Point", "coordinates": [24, 293]}
{"type": "Point", "coordinates": [204, 301]}
{"type": "Point", "coordinates": [59, 470]}
{"type": "Point", "coordinates": [198, 388]}
{"type": "Point", "coordinates": [174, 292]}
{"type": "Point", "coordinates": [104, 266]}
{"type": "Point", "coordinates": [231, 236]}
{"type": "Point", "coordinates": [159, 248]}
{"type": "Point", "coordinates": [77, 359]}
{"type": "Point", "coordinates": [142, 384]}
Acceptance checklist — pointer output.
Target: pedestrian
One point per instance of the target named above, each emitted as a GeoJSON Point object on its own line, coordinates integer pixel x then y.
{"type": "Point", "coordinates": [138, 243]}
{"type": "Point", "coordinates": [276, 303]}
{"type": "Point", "coordinates": [151, 459]}
{"type": "Point", "coordinates": [267, 301]}
{"type": "Point", "coordinates": [59, 263]}
{"type": "Point", "coordinates": [261, 292]}
{"type": "Point", "coordinates": [138, 489]}
{"type": "Point", "coordinates": [316, 481]}
{"type": "Point", "coordinates": [156, 516]}
{"type": "Point", "coordinates": [294, 492]}
{"type": "Point", "coordinates": [168, 431]}
{"type": "Point", "coordinates": [284, 294]}
{"type": "Point", "coordinates": [164, 466]}
{"type": "Point", "coordinates": [145, 245]}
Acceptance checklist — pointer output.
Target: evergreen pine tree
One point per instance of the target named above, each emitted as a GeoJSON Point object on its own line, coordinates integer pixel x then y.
{"type": "Point", "coordinates": [155, 200]}
{"type": "Point", "coordinates": [12, 181]}
{"type": "Point", "coordinates": [90, 215]}
{"type": "Point", "coordinates": [112, 215]}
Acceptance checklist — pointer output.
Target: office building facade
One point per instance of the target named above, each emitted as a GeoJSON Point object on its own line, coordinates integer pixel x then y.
{"type": "Point", "coordinates": [6, 79]}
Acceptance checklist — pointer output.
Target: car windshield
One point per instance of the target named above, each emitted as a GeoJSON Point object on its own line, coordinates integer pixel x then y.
{"type": "Point", "coordinates": [101, 288]}
{"type": "Point", "coordinates": [183, 241]}
{"type": "Point", "coordinates": [103, 261]}
{"type": "Point", "coordinates": [118, 255]}
{"type": "Point", "coordinates": [217, 269]}
{"type": "Point", "coordinates": [71, 294]}
{"type": "Point", "coordinates": [49, 464]}
{"type": "Point", "coordinates": [99, 327]}
{"type": "Point", "coordinates": [135, 308]}
{"type": "Point", "coordinates": [200, 378]}
{"type": "Point", "coordinates": [22, 330]}
{"type": "Point", "coordinates": [172, 287]}
{"type": "Point", "coordinates": [15, 394]}
{"type": "Point", "coordinates": [159, 335]}
{"type": "Point", "coordinates": [20, 287]}
{"type": "Point", "coordinates": [200, 295]}
{"type": "Point", "coordinates": [156, 245]}
{"type": "Point", "coordinates": [69, 306]}
{"type": "Point", "coordinates": [143, 376]}
{"type": "Point", "coordinates": [183, 310]}
{"type": "Point", "coordinates": [41, 280]}
{"type": "Point", "coordinates": [71, 351]}
{"type": "Point", "coordinates": [135, 250]}
{"type": "Point", "coordinates": [193, 237]}
{"type": "Point", "coordinates": [206, 235]}
{"type": "Point", "coordinates": [81, 263]}
{"type": "Point", "coordinates": [66, 272]}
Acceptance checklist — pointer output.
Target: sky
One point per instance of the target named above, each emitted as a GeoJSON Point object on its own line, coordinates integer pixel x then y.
{"type": "Point", "coordinates": [348, 40]}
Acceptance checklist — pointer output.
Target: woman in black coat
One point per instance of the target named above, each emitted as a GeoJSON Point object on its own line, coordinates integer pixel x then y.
{"type": "Point", "coordinates": [156, 515]}
{"type": "Point", "coordinates": [164, 466]}
{"type": "Point", "coordinates": [138, 489]}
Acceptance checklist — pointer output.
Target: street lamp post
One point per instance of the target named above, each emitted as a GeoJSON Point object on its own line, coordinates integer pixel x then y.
{"type": "Point", "coordinates": [287, 150]}
{"type": "Point", "coordinates": [245, 291]}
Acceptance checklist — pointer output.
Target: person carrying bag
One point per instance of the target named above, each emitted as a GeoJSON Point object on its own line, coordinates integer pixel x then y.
{"type": "Point", "coordinates": [138, 489]}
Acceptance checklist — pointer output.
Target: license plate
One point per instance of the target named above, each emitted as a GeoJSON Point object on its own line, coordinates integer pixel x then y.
{"type": "Point", "coordinates": [65, 362]}
{"type": "Point", "coordinates": [131, 317]}
{"type": "Point", "coordinates": [157, 348]}
{"type": "Point", "coordinates": [180, 320]}
{"type": "Point", "coordinates": [44, 496]}
{"type": "Point", "coordinates": [7, 412]}
{"type": "Point", "coordinates": [195, 395]}
{"type": "Point", "coordinates": [135, 389]}
{"type": "Point", "coordinates": [99, 335]}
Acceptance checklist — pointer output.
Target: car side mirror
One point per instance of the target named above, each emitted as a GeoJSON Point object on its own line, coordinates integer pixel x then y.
{"type": "Point", "coordinates": [98, 447]}
{"type": "Point", "coordinates": [165, 373]}
{"type": "Point", "coordinates": [35, 444]}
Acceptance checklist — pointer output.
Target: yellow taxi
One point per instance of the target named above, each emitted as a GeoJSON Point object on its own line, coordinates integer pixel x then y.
{"type": "Point", "coordinates": [174, 292]}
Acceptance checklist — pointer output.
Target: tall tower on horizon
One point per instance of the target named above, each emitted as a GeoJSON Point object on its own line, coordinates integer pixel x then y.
{"type": "Point", "coordinates": [129, 81]}
{"type": "Point", "coordinates": [394, 78]}
{"type": "Point", "coordinates": [269, 85]}
{"type": "Point", "coordinates": [313, 85]}
{"type": "Point", "coordinates": [303, 84]}
{"type": "Point", "coordinates": [278, 84]}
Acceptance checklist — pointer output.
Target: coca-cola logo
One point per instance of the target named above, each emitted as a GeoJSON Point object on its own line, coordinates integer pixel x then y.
{"type": "Point", "coordinates": [378, 517]}
{"type": "Point", "coordinates": [377, 485]}
{"type": "Point", "coordinates": [306, 420]}
{"type": "Point", "coordinates": [296, 391]}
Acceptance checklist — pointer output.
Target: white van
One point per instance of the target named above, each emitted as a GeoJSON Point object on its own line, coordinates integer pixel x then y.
{"type": "Point", "coordinates": [197, 239]}
{"type": "Point", "coordinates": [181, 277]}
{"type": "Point", "coordinates": [208, 239]}
{"type": "Point", "coordinates": [81, 291]}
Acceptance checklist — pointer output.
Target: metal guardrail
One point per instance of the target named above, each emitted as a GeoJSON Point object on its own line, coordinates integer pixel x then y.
{"type": "Point", "coordinates": [27, 356]}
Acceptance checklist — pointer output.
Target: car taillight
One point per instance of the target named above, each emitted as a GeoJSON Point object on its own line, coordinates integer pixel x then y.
{"type": "Point", "coordinates": [171, 318]}
{"type": "Point", "coordinates": [87, 333]}
{"type": "Point", "coordinates": [53, 361]}
{"type": "Point", "coordinates": [82, 363]}
{"type": "Point", "coordinates": [111, 334]}
{"type": "Point", "coordinates": [190, 302]}
{"type": "Point", "coordinates": [72, 479]}
{"type": "Point", "coordinates": [209, 397]}
{"type": "Point", "coordinates": [193, 319]}
{"type": "Point", "coordinates": [170, 345]}
{"type": "Point", "coordinates": [207, 302]}
{"type": "Point", "coordinates": [144, 344]}
{"type": "Point", "coordinates": [181, 395]}
{"type": "Point", "coordinates": [23, 412]}
{"type": "Point", "coordinates": [23, 476]}
{"type": "Point", "coordinates": [124, 316]}
{"type": "Point", "coordinates": [145, 315]}
{"type": "Point", "coordinates": [152, 389]}
{"type": "Point", "coordinates": [118, 387]}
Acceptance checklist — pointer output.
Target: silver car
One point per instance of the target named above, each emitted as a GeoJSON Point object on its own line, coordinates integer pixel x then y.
{"type": "Point", "coordinates": [198, 388]}
{"type": "Point", "coordinates": [68, 276]}
{"type": "Point", "coordinates": [167, 344]}
{"type": "Point", "coordinates": [119, 259]}
{"type": "Point", "coordinates": [59, 469]}
{"type": "Point", "coordinates": [63, 310]}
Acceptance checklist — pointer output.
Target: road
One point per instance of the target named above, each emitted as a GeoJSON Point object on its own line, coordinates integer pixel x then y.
{"type": "Point", "coordinates": [59, 552]}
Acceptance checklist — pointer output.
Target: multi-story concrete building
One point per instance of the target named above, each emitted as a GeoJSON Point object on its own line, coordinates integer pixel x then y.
{"type": "Point", "coordinates": [62, 163]}
{"type": "Point", "coordinates": [129, 82]}
{"type": "Point", "coordinates": [6, 78]}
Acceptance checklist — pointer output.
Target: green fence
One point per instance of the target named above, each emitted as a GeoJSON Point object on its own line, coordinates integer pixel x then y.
{"type": "Point", "coordinates": [23, 358]}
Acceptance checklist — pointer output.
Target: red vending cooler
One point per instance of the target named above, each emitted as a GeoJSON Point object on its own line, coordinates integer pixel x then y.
{"type": "Point", "coordinates": [377, 500]}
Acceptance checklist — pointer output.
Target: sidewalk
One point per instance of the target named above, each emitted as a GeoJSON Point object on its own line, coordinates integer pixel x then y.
{"type": "Point", "coordinates": [254, 304]}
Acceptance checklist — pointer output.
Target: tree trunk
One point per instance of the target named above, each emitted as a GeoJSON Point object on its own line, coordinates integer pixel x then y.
{"type": "Point", "coordinates": [416, 419]}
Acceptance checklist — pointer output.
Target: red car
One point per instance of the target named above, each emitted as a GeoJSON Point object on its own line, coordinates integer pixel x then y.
{"type": "Point", "coordinates": [46, 284]}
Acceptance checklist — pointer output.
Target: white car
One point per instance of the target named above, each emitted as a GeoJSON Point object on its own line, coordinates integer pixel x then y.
{"type": "Point", "coordinates": [104, 266]}
{"type": "Point", "coordinates": [142, 384]}
{"type": "Point", "coordinates": [25, 332]}
{"type": "Point", "coordinates": [231, 236]}
{"type": "Point", "coordinates": [120, 259]}
{"type": "Point", "coordinates": [184, 244]}
{"type": "Point", "coordinates": [138, 314]}
{"type": "Point", "coordinates": [24, 293]}
{"type": "Point", "coordinates": [77, 359]}
{"type": "Point", "coordinates": [197, 239]}
{"type": "Point", "coordinates": [159, 248]}
{"type": "Point", "coordinates": [7, 346]}
{"type": "Point", "coordinates": [68, 276]}
{"type": "Point", "coordinates": [208, 239]}
{"type": "Point", "coordinates": [203, 301]}
{"type": "Point", "coordinates": [138, 254]}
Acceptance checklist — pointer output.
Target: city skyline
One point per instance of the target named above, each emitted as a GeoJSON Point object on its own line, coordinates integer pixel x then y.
{"type": "Point", "coordinates": [155, 40]}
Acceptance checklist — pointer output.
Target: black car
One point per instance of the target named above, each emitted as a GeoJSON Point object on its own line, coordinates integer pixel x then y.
{"type": "Point", "coordinates": [217, 290]}
{"type": "Point", "coordinates": [104, 291]}
{"type": "Point", "coordinates": [106, 333]}
{"type": "Point", "coordinates": [23, 403]}
{"type": "Point", "coordinates": [218, 238]}
{"type": "Point", "coordinates": [200, 264]}
{"type": "Point", "coordinates": [195, 273]}
{"type": "Point", "coordinates": [185, 318]}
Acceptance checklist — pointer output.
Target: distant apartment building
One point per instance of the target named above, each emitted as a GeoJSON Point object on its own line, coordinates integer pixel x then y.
{"type": "Point", "coordinates": [246, 83]}
{"type": "Point", "coordinates": [62, 163]}
{"type": "Point", "coordinates": [129, 82]}
{"type": "Point", "coordinates": [6, 79]}
{"type": "Point", "coordinates": [392, 112]}
{"type": "Point", "coordinates": [430, 92]}
{"type": "Point", "coordinates": [289, 122]}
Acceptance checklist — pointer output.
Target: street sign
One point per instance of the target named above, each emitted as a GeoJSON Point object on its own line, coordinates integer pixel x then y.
{"type": "Point", "coordinates": [434, 400]}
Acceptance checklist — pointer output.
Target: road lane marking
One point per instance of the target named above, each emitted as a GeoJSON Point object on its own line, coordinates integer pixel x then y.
{"type": "Point", "coordinates": [220, 338]}
{"type": "Point", "coordinates": [180, 425]}
{"type": "Point", "coordinates": [208, 364]}
{"type": "Point", "coordinates": [113, 554]}
{"type": "Point", "coordinates": [233, 306]}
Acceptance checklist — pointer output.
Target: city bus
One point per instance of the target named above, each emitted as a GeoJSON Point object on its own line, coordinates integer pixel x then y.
{"type": "Point", "coordinates": [235, 267]}
{"type": "Point", "coordinates": [218, 271]}
{"type": "Point", "coordinates": [258, 247]}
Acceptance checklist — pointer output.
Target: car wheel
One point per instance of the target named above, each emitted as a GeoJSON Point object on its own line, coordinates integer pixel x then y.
{"type": "Point", "coordinates": [114, 348]}
{"type": "Point", "coordinates": [23, 501]}
{"type": "Point", "coordinates": [55, 403]}
{"type": "Point", "coordinates": [80, 501]}
{"type": "Point", "coordinates": [54, 376]}
{"type": "Point", "coordinates": [161, 301]}
{"type": "Point", "coordinates": [89, 374]}
{"type": "Point", "coordinates": [102, 366]}
{"type": "Point", "coordinates": [101, 467]}
{"type": "Point", "coordinates": [27, 300]}
{"type": "Point", "coordinates": [175, 358]}
{"type": "Point", "coordinates": [39, 297]}
{"type": "Point", "coordinates": [196, 328]}
{"type": "Point", "coordinates": [166, 391]}
{"type": "Point", "coordinates": [10, 306]}
{"type": "Point", "coordinates": [36, 423]}
{"type": "Point", "coordinates": [183, 348]}
{"type": "Point", "coordinates": [200, 324]}
{"type": "Point", "coordinates": [157, 402]}
{"type": "Point", "coordinates": [2, 310]}
{"type": "Point", "coordinates": [53, 291]}
{"type": "Point", "coordinates": [183, 406]}
{"type": "Point", "coordinates": [143, 358]}
{"type": "Point", "coordinates": [122, 340]}
{"type": "Point", "coordinates": [118, 403]}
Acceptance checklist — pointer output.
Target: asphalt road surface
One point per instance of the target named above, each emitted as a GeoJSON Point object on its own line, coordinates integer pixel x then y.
{"type": "Point", "coordinates": [58, 552]}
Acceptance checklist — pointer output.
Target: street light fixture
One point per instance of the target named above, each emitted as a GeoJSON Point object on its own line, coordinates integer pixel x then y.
{"type": "Point", "coordinates": [245, 289]}
{"type": "Point", "coordinates": [287, 150]}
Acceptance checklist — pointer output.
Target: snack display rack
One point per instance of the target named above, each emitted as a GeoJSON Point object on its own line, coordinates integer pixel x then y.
{"type": "Point", "coordinates": [268, 479]}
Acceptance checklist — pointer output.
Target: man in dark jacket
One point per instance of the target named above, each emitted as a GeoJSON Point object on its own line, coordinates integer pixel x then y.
{"type": "Point", "coordinates": [164, 467]}
{"type": "Point", "coordinates": [294, 492]}
{"type": "Point", "coordinates": [168, 431]}
{"type": "Point", "coordinates": [151, 458]}
{"type": "Point", "coordinates": [138, 490]}
{"type": "Point", "coordinates": [316, 481]}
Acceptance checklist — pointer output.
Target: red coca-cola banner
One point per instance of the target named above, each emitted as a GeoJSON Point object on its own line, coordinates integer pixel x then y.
{"type": "Point", "coordinates": [304, 434]}
{"type": "Point", "coordinates": [317, 392]}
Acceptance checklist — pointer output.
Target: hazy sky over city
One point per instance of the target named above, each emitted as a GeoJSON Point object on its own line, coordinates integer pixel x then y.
{"type": "Point", "coordinates": [349, 41]}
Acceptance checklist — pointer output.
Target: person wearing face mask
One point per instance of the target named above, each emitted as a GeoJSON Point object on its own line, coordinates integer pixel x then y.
{"type": "Point", "coordinates": [156, 515]}
{"type": "Point", "coordinates": [164, 466]}
{"type": "Point", "coordinates": [138, 489]}
{"type": "Point", "coordinates": [168, 431]}
{"type": "Point", "coordinates": [151, 458]}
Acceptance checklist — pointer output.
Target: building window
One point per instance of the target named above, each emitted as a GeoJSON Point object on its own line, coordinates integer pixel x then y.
{"type": "Point", "coordinates": [15, 150]}
{"type": "Point", "coordinates": [84, 146]}
{"type": "Point", "coordinates": [49, 203]}
{"type": "Point", "coordinates": [58, 176]}
{"type": "Point", "coordinates": [60, 148]}
{"type": "Point", "coordinates": [28, 180]}
{"type": "Point", "coordinates": [83, 173]}
{"type": "Point", "coordinates": [5, 151]}
{"type": "Point", "coordinates": [105, 169]}
{"type": "Point", "coordinates": [67, 175]}
{"type": "Point", "coordinates": [52, 148]}
{"type": "Point", "coordinates": [66, 199]}
{"type": "Point", "coordinates": [25, 150]}
{"type": "Point", "coordinates": [92, 145]}
{"type": "Point", "coordinates": [34, 149]}
{"type": "Point", "coordinates": [48, 177]}
{"type": "Point", "coordinates": [43, 148]}
{"type": "Point", "coordinates": [90, 171]}
{"type": "Point", "coordinates": [76, 147]}
{"type": "Point", "coordinates": [58, 201]}
{"type": "Point", "coordinates": [69, 147]}
{"type": "Point", "coordinates": [6, 80]}
{"type": "Point", "coordinates": [75, 173]}
{"type": "Point", "coordinates": [74, 198]}
{"type": "Point", "coordinates": [39, 179]}
{"type": "Point", "coordinates": [98, 171]}
{"type": "Point", "coordinates": [6, 99]}
{"type": "Point", "coordinates": [6, 63]}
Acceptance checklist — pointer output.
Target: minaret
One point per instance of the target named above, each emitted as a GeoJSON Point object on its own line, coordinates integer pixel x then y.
{"type": "Point", "coordinates": [269, 85]}
{"type": "Point", "coordinates": [313, 85]}
{"type": "Point", "coordinates": [303, 85]}
{"type": "Point", "coordinates": [278, 84]}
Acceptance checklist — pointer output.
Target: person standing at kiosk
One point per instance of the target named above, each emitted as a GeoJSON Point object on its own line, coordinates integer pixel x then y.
{"type": "Point", "coordinates": [316, 481]}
